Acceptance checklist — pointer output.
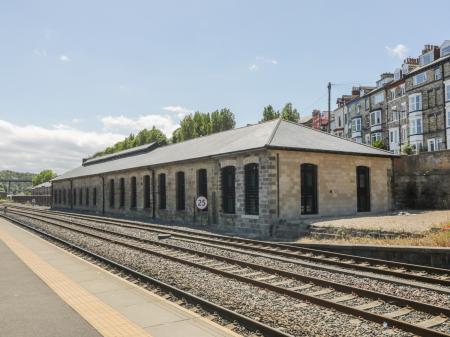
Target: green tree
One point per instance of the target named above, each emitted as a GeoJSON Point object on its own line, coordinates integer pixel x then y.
{"type": "Point", "coordinates": [145, 136]}
{"type": "Point", "coordinates": [269, 114]}
{"type": "Point", "coordinates": [43, 176]}
{"type": "Point", "coordinates": [289, 113]}
{"type": "Point", "coordinates": [379, 144]}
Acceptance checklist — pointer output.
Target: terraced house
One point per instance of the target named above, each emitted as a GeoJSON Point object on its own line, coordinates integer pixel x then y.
{"type": "Point", "coordinates": [261, 179]}
{"type": "Point", "coordinates": [409, 108]}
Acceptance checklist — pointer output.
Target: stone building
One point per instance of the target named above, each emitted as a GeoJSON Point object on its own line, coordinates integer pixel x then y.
{"type": "Point", "coordinates": [407, 108]}
{"type": "Point", "coordinates": [42, 189]}
{"type": "Point", "coordinates": [261, 179]}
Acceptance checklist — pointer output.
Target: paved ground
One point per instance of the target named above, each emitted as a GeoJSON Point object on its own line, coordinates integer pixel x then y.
{"type": "Point", "coordinates": [410, 221]}
{"type": "Point", "coordinates": [29, 308]}
{"type": "Point", "coordinates": [48, 292]}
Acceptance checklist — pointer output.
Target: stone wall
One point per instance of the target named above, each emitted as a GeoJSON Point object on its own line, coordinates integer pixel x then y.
{"type": "Point", "coordinates": [422, 181]}
{"type": "Point", "coordinates": [279, 191]}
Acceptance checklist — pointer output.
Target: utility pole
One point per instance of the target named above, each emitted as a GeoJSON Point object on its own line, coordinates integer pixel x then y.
{"type": "Point", "coordinates": [329, 107]}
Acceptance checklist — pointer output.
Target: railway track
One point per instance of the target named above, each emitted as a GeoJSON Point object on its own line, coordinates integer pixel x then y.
{"type": "Point", "coordinates": [313, 290]}
{"type": "Point", "coordinates": [429, 275]}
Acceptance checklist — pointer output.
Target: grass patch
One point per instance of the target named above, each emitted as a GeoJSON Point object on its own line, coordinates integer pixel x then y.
{"type": "Point", "coordinates": [438, 236]}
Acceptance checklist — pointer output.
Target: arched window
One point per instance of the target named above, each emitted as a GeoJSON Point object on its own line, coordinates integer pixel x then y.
{"type": "Point", "coordinates": [111, 193]}
{"type": "Point", "coordinates": [228, 189]}
{"type": "Point", "coordinates": [181, 193]}
{"type": "Point", "coordinates": [94, 196]}
{"type": "Point", "coordinates": [202, 183]}
{"type": "Point", "coordinates": [87, 196]}
{"type": "Point", "coordinates": [251, 189]}
{"type": "Point", "coordinates": [146, 191]}
{"type": "Point", "coordinates": [363, 188]}
{"type": "Point", "coordinates": [74, 196]}
{"type": "Point", "coordinates": [64, 196]}
{"type": "Point", "coordinates": [308, 173]}
{"type": "Point", "coordinates": [162, 190]}
{"type": "Point", "coordinates": [122, 192]}
{"type": "Point", "coordinates": [59, 196]}
{"type": "Point", "coordinates": [80, 197]}
{"type": "Point", "coordinates": [133, 192]}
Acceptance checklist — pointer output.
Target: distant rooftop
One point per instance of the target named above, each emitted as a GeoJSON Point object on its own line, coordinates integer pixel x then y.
{"type": "Point", "coordinates": [125, 153]}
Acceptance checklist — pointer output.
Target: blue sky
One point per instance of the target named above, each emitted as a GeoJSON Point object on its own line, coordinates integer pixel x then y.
{"type": "Point", "coordinates": [94, 71]}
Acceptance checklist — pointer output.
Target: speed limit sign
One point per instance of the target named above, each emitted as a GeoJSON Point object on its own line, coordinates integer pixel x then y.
{"type": "Point", "coordinates": [201, 203]}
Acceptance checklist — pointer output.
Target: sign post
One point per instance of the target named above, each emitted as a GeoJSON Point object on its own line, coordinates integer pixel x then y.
{"type": "Point", "coordinates": [201, 203]}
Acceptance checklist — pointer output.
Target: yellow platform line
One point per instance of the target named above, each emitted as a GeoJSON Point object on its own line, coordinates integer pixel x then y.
{"type": "Point", "coordinates": [107, 321]}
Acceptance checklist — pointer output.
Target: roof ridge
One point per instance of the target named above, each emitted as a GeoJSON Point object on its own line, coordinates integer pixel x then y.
{"type": "Point", "coordinates": [274, 131]}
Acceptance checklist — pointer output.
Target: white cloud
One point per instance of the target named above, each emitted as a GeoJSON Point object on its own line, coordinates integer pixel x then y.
{"type": "Point", "coordinates": [65, 59]}
{"type": "Point", "coordinates": [178, 110]}
{"type": "Point", "coordinates": [261, 61]}
{"type": "Point", "coordinates": [163, 122]}
{"type": "Point", "coordinates": [400, 51]}
{"type": "Point", "coordinates": [34, 148]}
{"type": "Point", "coordinates": [253, 67]}
{"type": "Point", "coordinates": [40, 52]}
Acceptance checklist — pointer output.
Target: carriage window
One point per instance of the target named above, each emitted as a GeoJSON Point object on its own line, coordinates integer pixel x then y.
{"type": "Point", "coordinates": [251, 189]}
{"type": "Point", "coordinates": [228, 189]}
{"type": "Point", "coordinates": [111, 193]}
{"type": "Point", "coordinates": [162, 191]}
{"type": "Point", "coordinates": [147, 191]}
{"type": "Point", "coordinates": [308, 188]}
{"type": "Point", "coordinates": [133, 192]}
{"type": "Point", "coordinates": [122, 192]}
{"type": "Point", "coordinates": [181, 195]}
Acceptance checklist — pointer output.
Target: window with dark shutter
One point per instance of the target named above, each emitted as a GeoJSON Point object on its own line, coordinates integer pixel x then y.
{"type": "Point", "coordinates": [162, 191]}
{"type": "Point", "coordinates": [80, 197]}
{"type": "Point", "coordinates": [133, 192]}
{"type": "Point", "coordinates": [122, 192]}
{"type": "Point", "coordinates": [111, 193]}
{"type": "Point", "coordinates": [202, 183]}
{"type": "Point", "coordinates": [251, 189]}
{"type": "Point", "coordinates": [87, 196]}
{"type": "Point", "coordinates": [228, 189]}
{"type": "Point", "coordinates": [181, 195]}
{"type": "Point", "coordinates": [94, 196]}
{"type": "Point", "coordinates": [147, 191]}
{"type": "Point", "coordinates": [308, 189]}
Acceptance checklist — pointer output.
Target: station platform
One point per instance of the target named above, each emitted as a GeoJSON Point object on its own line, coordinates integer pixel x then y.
{"type": "Point", "coordinates": [48, 292]}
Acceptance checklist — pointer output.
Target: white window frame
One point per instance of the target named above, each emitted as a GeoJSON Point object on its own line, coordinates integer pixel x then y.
{"type": "Point", "coordinates": [404, 133]}
{"type": "Point", "coordinates": [415, 102]}
{"type": "Point", "coordinates": [428, 54]}
{"type": "Point", "coordinates": [356, 125]}
{"type": "Point", "coordinates": [447, 90]}
{"type": "Point", "coordinates": [415, 126]}
{"type": "Point", "coordinates": [402, 89]}
{"type": "Point", "coordinates": [393, 136]}
{"type": "Point", "coordinates": [417, 79]}
{"type": "Point", "coordinates": [376, 136]}
{"type": "Point", "coordinates": [437, 73]}
{"type": "Point", "coordinates": [431, 142]}
{"type": "Point", "coordinates": [448, 118]}
{"type": "Point", "coordinates": [378, 98]}
{"type": "Point", "coordinates": [392, 94]}
{"type": "Point", "coordinates": [367, 139]}
{"type": "Point", "coordinates": [375, 118]}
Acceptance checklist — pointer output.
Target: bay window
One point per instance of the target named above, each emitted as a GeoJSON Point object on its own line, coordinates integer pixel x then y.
{"type": "Point", "coordinates": [420, 78]}
{"type": "Point", "coordinates": [415, 126]}
{"type": "Point", "coordinates": [375, 117]}
{"type": "Point", "coordinates": [415, 102]}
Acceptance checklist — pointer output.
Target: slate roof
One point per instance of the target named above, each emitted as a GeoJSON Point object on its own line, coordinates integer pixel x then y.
{"type": "Point", "coordinates": [124, 153]}
{"type": "Point", "coordinates": [46, 184]}
{"type": "Point", "coordinates": [277, 134]}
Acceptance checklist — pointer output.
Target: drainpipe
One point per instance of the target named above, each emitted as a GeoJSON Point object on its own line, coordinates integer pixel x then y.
{"type": "Point", "coordinates": [103, 195]}
{"type": "Point", "coordinates": [153, 194]}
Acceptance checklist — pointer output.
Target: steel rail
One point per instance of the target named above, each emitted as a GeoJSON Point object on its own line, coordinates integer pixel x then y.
{"type": "Point", "coordinates": [313, 299]}
{"type": "Point", "coordinates": [230, 315]}
{"type": "Point", "coordinates": [285, 250]}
